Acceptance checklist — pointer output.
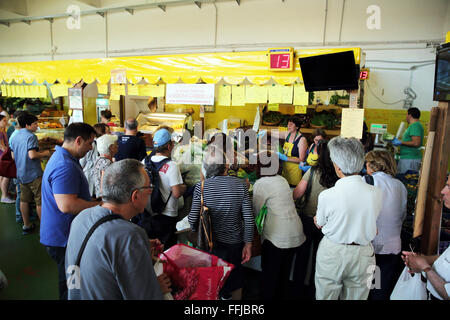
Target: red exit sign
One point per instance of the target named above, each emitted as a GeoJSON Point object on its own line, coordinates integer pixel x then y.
{"type": "Point", "coordinates": [281, 59]}
{"type": "Point", "coordinates": [364, 74]}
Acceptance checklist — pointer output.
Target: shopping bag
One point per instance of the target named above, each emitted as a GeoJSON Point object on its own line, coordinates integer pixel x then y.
{"type": "Point", "coordinates": [409, 287]}
{"type": "Point", "coordinates": [260, 218]}
{"type": "Point", "coordinates": [194, 274]}
{"type": "Point", "coordinates": [7, 165]}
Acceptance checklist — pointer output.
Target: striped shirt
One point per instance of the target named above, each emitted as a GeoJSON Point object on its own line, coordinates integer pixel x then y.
{"type": "Point", "coordinates": [228, 201]}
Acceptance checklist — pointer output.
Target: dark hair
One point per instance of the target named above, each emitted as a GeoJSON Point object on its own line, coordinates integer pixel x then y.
{"type": "Point", "coordinates": [79, 129]}
{"type": "Point", "coordinates": [325, 167]}
{"type": "Point", "coordinates": [100, 128]}
{"type": "Point", "coordinates": [319, 132]}
{"type": "Point", "coordinates": [26, 119]}
{"type": "Point", "coordinates": [414, 112]}
{"type": "Point", "coordinates": [1, 117]}
{"type": "Point", "coordinates": [18, 113]}
{"type": "Point", "coordinates": [296, 120]}
{"type": "Point", "coordinates": [274, 160]}
{"type": "Point", "coordinates": [106, 114]}
{"type": "Point", "coordinates": [222, 138]}
{"type": "Point", "coordinates": [131, 124]}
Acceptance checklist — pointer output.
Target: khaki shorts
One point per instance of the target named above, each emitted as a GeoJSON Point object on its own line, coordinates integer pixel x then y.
{"type": "Point", "coordinates": [31, 191]}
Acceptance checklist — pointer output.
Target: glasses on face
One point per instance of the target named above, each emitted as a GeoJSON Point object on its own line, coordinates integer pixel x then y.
{"type": "Point", "coordinates": [146, 187]}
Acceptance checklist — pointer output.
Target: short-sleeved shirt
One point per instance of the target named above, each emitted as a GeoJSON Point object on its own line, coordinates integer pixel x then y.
{"type": "Point", "coordinates": [131, 147]}
{"type": "Point", "coordinates": [63, 175]}
{"type": "Point", "coordinates": [406, 152]}
{"type": "Point", "coordinates": [442, 268]}
{"type": "Point", "coordinates": [28, 169]}
{"type": "Point", "coordinates": [116, 263]}
{"type": "Point", "coordinates": [170, 176]}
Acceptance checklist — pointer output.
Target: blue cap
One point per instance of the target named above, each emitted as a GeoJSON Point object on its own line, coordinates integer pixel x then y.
{"type": "Point", "coordinates": [161, 137]}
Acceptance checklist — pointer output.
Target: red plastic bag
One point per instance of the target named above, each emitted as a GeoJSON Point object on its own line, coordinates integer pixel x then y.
{"type": "Point", "coordinates": [195, 274]}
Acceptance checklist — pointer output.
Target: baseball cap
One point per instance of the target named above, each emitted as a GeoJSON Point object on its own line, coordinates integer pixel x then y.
{"type": "Point", "coordinates": [161, 137]}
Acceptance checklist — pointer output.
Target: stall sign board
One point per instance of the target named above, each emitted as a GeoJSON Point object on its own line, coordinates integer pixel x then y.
{"type": "Point", "coordinates": [118, 76]}
{"type": "Point", "coordinates": [76, 98]}
{"type": "Point", "coordinates": [281, 59]}
{"type": "Point", "coordinates": [364, 74]}
{"type": "Point", "coordinates": [193, 94]}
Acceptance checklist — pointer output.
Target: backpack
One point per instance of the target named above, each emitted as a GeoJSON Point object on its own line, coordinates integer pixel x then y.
{"type": "Point", "coordinates": [152, 168]}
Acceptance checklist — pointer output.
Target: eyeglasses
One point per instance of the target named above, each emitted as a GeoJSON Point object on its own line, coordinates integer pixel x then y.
{"type": "Point", "coordinates": [146, 187]}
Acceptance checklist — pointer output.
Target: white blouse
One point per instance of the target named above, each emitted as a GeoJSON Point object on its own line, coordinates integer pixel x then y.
{"type": "Point", "coordinates": [282, 225]}
{"type": "Point", "coordinates": [392, 214]}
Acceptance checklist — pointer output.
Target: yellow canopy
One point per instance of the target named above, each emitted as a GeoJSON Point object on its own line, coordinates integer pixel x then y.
{"type": "Point", "coordinates": [232, 67]}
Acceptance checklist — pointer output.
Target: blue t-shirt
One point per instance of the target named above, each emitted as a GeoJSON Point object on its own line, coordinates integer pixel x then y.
{"type": "Point", "coordinates": [28, 169]}
{"type": "Point", "coordinates": [131, 147]}
{"type": "Point", "coordinates": [63, 175]}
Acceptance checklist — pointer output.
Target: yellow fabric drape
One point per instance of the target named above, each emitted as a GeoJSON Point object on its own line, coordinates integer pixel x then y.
{"type": "Point", "coordinates": [233, 67]}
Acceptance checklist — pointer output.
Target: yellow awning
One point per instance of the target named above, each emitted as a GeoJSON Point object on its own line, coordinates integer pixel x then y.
{"type": "Point", "coordinates": [232, 67]}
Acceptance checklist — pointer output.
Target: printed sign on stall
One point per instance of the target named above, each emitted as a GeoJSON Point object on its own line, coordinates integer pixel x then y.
{"type": "Point", "coordinates": [196, 94]}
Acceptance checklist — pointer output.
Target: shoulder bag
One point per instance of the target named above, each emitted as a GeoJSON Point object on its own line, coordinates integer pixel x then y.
{"type": "Point", "coordinates": [205, 232]}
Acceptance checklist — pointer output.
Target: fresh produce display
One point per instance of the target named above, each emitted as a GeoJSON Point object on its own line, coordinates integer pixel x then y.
{"type": "Point", "coordinates": [272, 117]}
{"type": "Point", "coordinates": [388, 136]}
{"type": "Point", "coordinates": [326, 119]}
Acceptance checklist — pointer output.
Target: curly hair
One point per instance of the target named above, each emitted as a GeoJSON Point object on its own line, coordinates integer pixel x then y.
{"type": "Point", "coordinates": [325, 167]}
{"type": "Point", "coordinates": [381, 160]}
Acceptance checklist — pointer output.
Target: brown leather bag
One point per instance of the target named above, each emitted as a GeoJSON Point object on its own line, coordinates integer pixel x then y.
{"type": "Point", "coordinates": [205, 232]}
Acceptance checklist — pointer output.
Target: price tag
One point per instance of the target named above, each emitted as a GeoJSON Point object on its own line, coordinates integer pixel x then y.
{"type": "Point", "coordinates": [300, 109]}
{"type": "Point", "coordinates": [273, 106]}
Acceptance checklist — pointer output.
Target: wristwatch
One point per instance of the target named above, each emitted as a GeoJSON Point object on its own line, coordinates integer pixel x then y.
{"type": "Point", "coordinates": [427, 269]}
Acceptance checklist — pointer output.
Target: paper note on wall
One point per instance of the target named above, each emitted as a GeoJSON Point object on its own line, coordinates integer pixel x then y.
{"type": "Point", "coordinates": [224, 95]}
{"type": "Point", "coordinates": [280, 94]}
{"type": "Point", "coordinates": [133, 90]}
{"type": "Point", "coordinates": [157, 90]}
{"type": "Point", "coordinates": [300, 109]}
{"type": "Point", "coordinates": [352, 122]}
{"type": "Point", "coordinates": [237, 95]}
{"type": "Point", "coordinates": [256, 94]}
{"type": "Point", "coordinates": [300, 95]}
{"type": "Point", "coordinates": [102, 88]}
{"type": "Point", "coordinates": [273, 106]}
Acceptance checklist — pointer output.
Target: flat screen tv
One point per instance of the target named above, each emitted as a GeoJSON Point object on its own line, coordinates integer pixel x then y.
{"type": "Point", "coordinates": [334, 71]}
{"type": "Point", "coordinates": [442, 74]}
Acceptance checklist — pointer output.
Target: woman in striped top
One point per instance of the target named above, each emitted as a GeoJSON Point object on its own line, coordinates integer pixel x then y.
{"type": "Point", "coordinates": [231, 211]}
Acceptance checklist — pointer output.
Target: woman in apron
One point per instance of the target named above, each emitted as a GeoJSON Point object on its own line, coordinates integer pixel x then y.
{"type": "Point", "coordinates": [312, 155]}
{"type": "Point", "coordinates": [294, 151]}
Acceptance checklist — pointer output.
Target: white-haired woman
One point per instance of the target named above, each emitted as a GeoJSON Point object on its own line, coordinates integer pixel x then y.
{"type": "Point", "coordinates": [107, 148]}
{"type": "Point", "coordinates": [347, 215]}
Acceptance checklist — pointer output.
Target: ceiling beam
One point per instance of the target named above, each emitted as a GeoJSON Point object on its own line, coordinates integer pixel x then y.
{"type": "Point", "coordinates": [19, 7]}
{"type": "Point", "coordinates": [92, 3]}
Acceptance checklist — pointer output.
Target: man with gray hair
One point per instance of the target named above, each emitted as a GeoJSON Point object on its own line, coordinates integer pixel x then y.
{"type": "Point", "coordinates": [347, 215]}
{"type": "Point", "coordinates": [130, 145]}
{"type": "Point", "coordinates": [107, 256]}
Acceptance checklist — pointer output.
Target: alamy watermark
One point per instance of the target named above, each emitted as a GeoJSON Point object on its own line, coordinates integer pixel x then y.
{"type": "Point", "coordinates": [73, 22]}
{"type": "Point", "coordinates": [373, 22]}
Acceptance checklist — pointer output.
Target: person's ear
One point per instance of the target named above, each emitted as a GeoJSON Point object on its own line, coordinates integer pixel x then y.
{"type": "Point", "coordinates": [78, 140]}
{"type": "Point", "coordinates": [134, 195]}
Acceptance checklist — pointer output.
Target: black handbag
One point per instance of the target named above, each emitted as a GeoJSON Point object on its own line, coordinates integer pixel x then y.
{"type": "Point", "coordinates": [204, 230]}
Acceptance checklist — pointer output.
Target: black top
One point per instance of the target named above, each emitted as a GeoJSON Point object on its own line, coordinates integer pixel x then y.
{"type": "Point", "coordinates": [131, 147]}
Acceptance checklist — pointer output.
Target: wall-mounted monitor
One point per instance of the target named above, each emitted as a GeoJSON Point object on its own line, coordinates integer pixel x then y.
{"type": "Point", "coordinates": [334, 71]}
{"type": "Point", "coordinates": [442, 74]}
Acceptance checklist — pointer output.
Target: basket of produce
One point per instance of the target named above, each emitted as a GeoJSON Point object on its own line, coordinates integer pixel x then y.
{"type": "Point", "coordinates": [272, 118]}
{"type": "Point", "coordinates": [324, 119]}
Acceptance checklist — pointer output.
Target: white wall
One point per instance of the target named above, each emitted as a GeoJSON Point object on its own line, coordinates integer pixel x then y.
{"type": "Point", "coordinates": [406, 28]}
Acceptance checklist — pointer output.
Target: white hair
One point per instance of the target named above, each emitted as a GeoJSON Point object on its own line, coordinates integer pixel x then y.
{"type": "Point", "coordinates": [104, 142]}
{"type": "Point", "coordinates": [347, 154]}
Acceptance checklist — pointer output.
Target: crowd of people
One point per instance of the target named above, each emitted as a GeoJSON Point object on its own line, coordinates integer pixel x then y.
{"type": "Point", "coordinates": [334, 212]}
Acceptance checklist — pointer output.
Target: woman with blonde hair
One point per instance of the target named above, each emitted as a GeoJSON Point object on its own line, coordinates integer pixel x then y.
{"type": "Point", "coordinates": [381, 169]}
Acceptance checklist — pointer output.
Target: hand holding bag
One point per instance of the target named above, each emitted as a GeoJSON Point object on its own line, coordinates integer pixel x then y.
{"type": "Point", "coordinates": [205, 232]}
{"type": "Point", "coordinates": [409, 287]}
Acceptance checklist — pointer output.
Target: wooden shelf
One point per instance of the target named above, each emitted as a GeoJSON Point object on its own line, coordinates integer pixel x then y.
{"type": "Point", "coordinates": [335, 132]}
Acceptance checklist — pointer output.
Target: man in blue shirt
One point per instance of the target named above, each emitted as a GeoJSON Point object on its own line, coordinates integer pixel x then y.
{"type": "Point", "coordinates": [65, 193]}
{"type": "Point", "coordinates": [131, 146]}
{"type": "Point", "coordinates": [25, 148]}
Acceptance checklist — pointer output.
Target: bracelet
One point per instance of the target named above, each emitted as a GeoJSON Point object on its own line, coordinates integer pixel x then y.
{"type": "Point", "coordinates": [427, 269]}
